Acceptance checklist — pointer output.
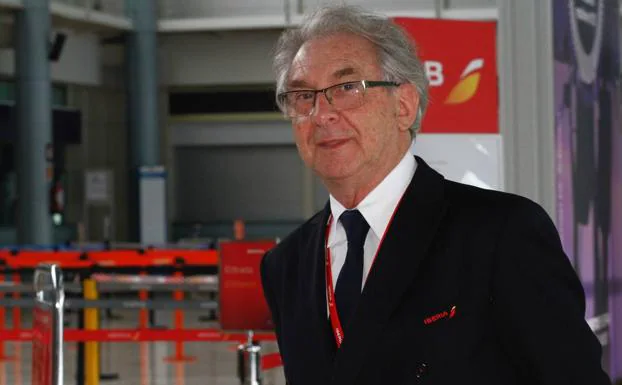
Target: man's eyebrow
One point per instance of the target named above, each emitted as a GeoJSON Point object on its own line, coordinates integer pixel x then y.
{"type": "Point", "coordinates": [344, 72]}
{"type": "Point", "coordinates": [301, 84]}
{"type": "Point", "coordinates": [298, 84]}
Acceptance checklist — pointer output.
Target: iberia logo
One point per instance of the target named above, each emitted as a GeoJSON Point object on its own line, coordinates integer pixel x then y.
{"type": "Point", "coordinates": [463, 92]}
{"type": "Point", "coordinates": [468, 84]}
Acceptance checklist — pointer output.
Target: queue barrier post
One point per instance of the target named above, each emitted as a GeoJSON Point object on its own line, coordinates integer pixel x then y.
{"type": "Point", "coordinates": [17, 311]}
{"type": "Point", "coordinates": [3, 356]}
{"type": "Point", "coordinates": [47, 337]}
{"type": "Point", "coordinates": [249, 362]}
{"type": "Point", "coordinates": [91, 322]}
{"type": "Point", "coordinates": [178, 295]}
{"type": "Point", "coordinates": [143, 317]}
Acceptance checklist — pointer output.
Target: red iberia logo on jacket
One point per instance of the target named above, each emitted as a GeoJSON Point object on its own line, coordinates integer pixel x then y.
{"type": "Point", "coordinates": [445, 314]}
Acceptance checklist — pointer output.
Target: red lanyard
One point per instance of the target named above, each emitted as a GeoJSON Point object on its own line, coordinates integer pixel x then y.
{"type": "Point", "coordinates": [330, 289]}
{"type": "Point", "coordinates": [330, 292]}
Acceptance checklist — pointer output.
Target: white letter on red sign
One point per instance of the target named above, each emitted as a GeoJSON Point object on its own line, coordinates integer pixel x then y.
{"type": "Point", "coordinates": [434, 72]}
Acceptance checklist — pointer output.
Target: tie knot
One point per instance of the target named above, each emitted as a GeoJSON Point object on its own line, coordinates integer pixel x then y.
{"type": "Point", "coordinates": [356, 227]}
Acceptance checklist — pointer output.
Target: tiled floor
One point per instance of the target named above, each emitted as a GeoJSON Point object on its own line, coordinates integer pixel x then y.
{"type": "Point", "coordinates": [144, 363]}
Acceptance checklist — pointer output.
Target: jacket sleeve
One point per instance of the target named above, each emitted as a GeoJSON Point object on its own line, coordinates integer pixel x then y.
{"type": "Point", "coordinates": [539, 304]}
{"type": "Point", "coordinates": [268, 280]}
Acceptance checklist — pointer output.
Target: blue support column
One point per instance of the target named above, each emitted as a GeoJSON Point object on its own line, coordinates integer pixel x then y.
{"type": "Point", "coordinates": [34, 122]}
{"type": "Point", "coordinates": [144, 132]}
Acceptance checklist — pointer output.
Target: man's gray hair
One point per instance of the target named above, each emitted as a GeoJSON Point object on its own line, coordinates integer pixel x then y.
{"type": "Point", "coordinates": [396, 51]}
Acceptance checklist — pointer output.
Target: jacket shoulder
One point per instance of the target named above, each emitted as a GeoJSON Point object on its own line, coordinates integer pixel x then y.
{"type": "Point", "coordinates": [296, 239]}
{"type": "Point", "coordinates": [460, 194]}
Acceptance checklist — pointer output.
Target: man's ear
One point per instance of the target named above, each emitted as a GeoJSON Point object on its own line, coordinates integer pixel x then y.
{"type": "Point", "coordinates": [408, 99]}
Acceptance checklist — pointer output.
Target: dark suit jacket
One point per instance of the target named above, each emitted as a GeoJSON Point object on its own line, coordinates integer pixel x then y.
{"type": "Point", "coordinates": [496, 257]}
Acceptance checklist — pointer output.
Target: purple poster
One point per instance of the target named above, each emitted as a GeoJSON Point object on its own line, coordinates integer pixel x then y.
{"type": "Point", "coordinates": [588, 139]}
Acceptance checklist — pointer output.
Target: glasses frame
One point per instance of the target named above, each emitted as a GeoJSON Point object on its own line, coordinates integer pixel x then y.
{"type": "Point", "coordinates": [326, 91]}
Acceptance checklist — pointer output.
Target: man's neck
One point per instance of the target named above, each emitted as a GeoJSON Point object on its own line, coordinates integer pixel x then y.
{"type": "Point", "coordinates": [349, 195]}
{"type": "Point", "coordinates": [351, 191]}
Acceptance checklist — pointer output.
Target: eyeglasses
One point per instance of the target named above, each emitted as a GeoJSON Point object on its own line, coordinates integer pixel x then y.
{"type": "Point", "coordinates": [342, 96]}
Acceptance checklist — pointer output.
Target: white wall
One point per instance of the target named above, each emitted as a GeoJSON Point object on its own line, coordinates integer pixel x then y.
{"type": "Point", "coordinates": [471, 3]}
{"type": "Point", "coordinates": [197, 9]}
{"type": "Point", "coordinates": [214, 54]}
{"type": "Point", "coordinates": [217, 58]}
{"type": "Point", "coordinates": [378, 5]}
{"type": "Point", "coordinates": [79, 63]}
{"type": "Point", "coordinates": [231, 133]}
{"type": "Point", "coordinates": [175, 9]}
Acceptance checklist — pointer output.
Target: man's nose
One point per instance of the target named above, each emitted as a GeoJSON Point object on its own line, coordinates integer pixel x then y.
{"type": "Point", "coordinates": [323, 109]}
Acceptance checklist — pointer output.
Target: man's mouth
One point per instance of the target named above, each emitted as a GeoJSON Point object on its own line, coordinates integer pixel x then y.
{"type": "Point", "coordinates": [332, 143]}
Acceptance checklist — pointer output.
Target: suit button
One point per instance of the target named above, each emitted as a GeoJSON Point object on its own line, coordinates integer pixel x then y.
{"type": "Point", "coordinates": [422, 370]}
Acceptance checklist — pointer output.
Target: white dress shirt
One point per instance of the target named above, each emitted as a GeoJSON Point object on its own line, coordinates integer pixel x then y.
{"type": "Point", "coordinates": [377, 208]}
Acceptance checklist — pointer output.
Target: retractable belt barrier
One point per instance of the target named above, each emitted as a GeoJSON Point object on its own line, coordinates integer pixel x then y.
{"type": "Point", "coordinates": [17, 264]}
{"type": "Point", "coordinates": [100, 272]}
{"type": "Point", "coordinates": [92, 335]}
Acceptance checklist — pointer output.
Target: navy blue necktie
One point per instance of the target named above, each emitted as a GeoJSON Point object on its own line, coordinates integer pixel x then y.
{"type": "Point", "coordinates": [350, 279]}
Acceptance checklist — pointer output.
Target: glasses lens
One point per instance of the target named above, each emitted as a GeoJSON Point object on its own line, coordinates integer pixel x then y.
{"type": "Point", "coordinates": [347, 95]}
{"type": "Point", "coordinates": [298, 103]}
{"type": "Point", "coordinates": [340, 96]}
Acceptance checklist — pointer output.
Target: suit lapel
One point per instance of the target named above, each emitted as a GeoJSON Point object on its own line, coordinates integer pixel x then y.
{"type": "Point", "coordinates": [314, 251]}
{"type": "Point", "coordinates": [404, 247]}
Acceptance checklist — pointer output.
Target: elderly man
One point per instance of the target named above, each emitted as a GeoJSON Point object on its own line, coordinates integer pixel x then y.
{"type": "Point", "coordinates": [406, 277]}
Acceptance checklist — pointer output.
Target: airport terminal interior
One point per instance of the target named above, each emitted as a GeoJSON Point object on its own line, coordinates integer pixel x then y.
{"type": "Point", "coordinates": [153, 169]}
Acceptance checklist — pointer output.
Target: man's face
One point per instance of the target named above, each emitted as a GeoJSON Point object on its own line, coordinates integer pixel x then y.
{"type": "Point", "coordinates": [355, 143]}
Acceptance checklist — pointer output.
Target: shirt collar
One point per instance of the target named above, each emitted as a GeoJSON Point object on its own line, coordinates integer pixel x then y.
{"type": "Point", "coordinates": [378, 206]}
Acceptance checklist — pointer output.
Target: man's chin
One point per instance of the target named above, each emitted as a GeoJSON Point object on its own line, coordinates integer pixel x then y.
{"type": "Point", "coordinates": [333, 174]}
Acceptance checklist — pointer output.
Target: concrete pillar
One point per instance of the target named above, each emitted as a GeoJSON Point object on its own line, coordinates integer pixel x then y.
{"type": "Point", "coordinates": [144, 132]}
{"type": "Point", "coordinates": [526, 111]}
{"type": "Point", "coordinates": [34, 122]}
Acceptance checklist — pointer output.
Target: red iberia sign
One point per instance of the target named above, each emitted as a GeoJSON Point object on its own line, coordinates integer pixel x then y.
{"type": "Point", "coordinates": [460, 62]}
{"type": "Point", "coordinates": [242, 303]}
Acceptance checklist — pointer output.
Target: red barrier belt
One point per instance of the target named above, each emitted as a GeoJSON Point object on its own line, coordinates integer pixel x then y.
{"type": "Point", "coordinates": [112, 258]}
{"type": "Point", "coordinates": [270, 361]}
{"type": "Point", "coordinates": [134, 335]}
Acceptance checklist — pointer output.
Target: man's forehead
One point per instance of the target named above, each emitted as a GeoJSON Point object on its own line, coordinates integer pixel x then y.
{"type": "Point", "coordinates": [334, 67]}
{"type": "Point", "coordinates": [333, 56]}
